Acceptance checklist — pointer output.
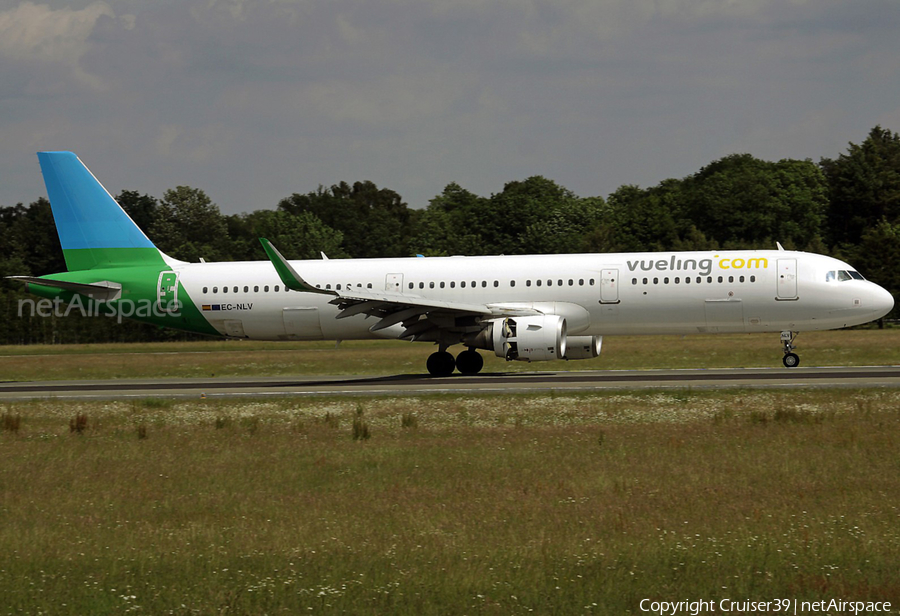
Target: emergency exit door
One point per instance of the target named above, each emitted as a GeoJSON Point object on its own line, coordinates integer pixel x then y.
{"type": "Point", "coordinates": [609, 286]}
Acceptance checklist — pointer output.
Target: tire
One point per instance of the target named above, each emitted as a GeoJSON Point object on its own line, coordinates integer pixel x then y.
{"type": "Point", "coordinates": [440, 364]}
{"type": "Point", "coordinates": [791, 360]}
{"type": "Point", "coordinates": [469, 362]}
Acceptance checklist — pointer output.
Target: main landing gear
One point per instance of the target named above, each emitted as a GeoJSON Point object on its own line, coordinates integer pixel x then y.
{"type": "Point", "coordinates": [442, 363]}
{"type": "Point", "coordinates": [791, 359]}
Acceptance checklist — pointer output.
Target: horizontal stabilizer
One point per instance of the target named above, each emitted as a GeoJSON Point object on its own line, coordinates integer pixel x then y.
{"type": "Point", "coordinates": [104, 291]}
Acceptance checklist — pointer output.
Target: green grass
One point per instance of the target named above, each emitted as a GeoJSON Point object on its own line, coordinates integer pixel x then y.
{"type": "Point", "coordinates": [487, 505]}
{"type": "Point", "coordinates": [246, 358]}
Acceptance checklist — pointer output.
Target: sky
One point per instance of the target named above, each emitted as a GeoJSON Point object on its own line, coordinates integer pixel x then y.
{"type": "Point", "coordinates": [254, 100]}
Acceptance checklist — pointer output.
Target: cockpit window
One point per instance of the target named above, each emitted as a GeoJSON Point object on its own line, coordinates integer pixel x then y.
{"type": "Point", "coordinates": [842, 275]}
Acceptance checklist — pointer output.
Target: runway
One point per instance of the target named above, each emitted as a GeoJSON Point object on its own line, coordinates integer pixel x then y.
{"type": "Point", "coordinates": [506, 382]}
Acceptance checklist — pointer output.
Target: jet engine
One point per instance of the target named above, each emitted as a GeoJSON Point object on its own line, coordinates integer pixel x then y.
{"type": "Point", "coordinates": [531, 338]}
{"type": "Point", "coordinates": [583, 347]}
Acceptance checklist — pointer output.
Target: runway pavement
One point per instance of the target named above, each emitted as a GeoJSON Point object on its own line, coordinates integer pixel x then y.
{"type": "Point", "coordinates": [507, 382]}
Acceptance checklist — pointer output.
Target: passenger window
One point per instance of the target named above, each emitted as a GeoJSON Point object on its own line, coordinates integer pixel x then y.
{"type": "Point", "coordinates": [634, 281]}
{"type": "Point", "coordinates": [571, 282]}
{"type": "Point", "coordinates": [277, 288]}
{"type": "Point", "coordinates": [338, 287]}
{"type": "Point", "coordinates": [666, 280]}
{"type": "Point", "coordinates": [246, 289]}
{"type": "Point", "coordinates": [484, 283]}
{"type": "Point", "coordinates": [742, 279]}
{"type": "Point", "coordinates": [462, 284]}
{"type": "Point", "coordinates": [512, 283]}
{"type": "Point", "coordinates": [539, 282]}
{"type": "Point", "coordinates": [645, 281]}
{"type": "Point", "coordinates": [235, 290]}
{"type": "Point", "coordinates": [677, 279]}
{"type": "Point", "coordinates": [496, 283]}
{"type": "Point", "coordinates": [205, 289]}
{"type": "Point", "coordinates": [527, 283]}
{"type": "Point", "coordinates": [656, 281]}
{"type": "Point", "coordinates": [430, 285]}
{"type": "Point", "coordinates": [442, 284]}
{"type": "Point", "coordinates": [266, 288]}
{"type": "Point", "coordinates": [453, 285]}
{"type": "Point", "coordinates": [215, 289]}
{"type": "Point", "coordinates": [752, 278]}
{"type": "Point", "coordinates": [720, 279]}
{"type": "Point", "coordinates": [256, 288]}
{"type": "Point", "coordinates": [591, 282]}
{"type": "Point", "coordinates": [581, 282]}
{"type": "Point", "coordinates": [369, 285]}
{"type": "Point", "coordinates": [731, 279]}
{"type": "Point", "coordinates": [412, 285]}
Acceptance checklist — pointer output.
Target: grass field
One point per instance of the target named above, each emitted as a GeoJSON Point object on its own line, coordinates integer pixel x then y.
{"type": "Point", "coordinates": [246, 358]}
{"type": "Point", "coordinates": [479, 505]}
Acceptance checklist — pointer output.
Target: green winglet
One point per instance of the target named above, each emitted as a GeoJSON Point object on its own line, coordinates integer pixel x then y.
{"type": "Point", "coordinates": [289, 276]}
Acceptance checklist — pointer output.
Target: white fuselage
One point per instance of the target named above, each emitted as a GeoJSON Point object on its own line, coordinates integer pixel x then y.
{"type": "Point", "coordinates": [599, 294]}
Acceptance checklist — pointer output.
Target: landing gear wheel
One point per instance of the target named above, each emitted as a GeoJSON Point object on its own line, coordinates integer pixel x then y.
{"type": "Point", "coordinates": [440, 364]}
{"type": "Point", "coordinates": [469, 362]}
{"type": "Point", "coordinates": [791, 360]}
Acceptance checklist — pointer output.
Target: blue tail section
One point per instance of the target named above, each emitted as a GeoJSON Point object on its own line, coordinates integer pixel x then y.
{"type": "Point", "coordinates": [88, 219]}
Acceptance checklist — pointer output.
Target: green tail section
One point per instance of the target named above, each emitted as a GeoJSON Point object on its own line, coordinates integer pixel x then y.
{"type": "Point", "coordinates": [114, 268]}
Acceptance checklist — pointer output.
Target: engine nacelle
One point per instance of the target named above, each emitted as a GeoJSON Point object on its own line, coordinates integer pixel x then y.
{"type": "Point", "coordinates": [583, 347]}
{"type": "Point", "coordinates": [533, 338]}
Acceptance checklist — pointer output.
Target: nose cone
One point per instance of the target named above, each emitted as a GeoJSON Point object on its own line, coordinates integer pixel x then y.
{"type": "Point", "coordinates": [882, 302]}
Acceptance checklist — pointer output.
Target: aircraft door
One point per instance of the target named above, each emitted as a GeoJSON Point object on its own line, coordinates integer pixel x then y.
{"type": "Point", "coordinates": [609, 286]}
{"type": "Point", "coordinates": [787, 280]}
{"type": "Point", "coordinates": [393, 283]}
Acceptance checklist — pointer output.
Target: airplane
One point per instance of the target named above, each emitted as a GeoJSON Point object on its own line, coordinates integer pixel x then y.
{"type": "Point", "coordinates": [526, 308]}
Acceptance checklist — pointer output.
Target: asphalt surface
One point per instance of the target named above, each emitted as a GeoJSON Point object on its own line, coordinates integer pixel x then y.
{"type": "Point", "coordinates": [416, 384]}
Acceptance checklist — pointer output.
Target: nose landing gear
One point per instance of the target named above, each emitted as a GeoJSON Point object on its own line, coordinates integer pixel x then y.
{"type": "Point", "coordinates": [791, 359]}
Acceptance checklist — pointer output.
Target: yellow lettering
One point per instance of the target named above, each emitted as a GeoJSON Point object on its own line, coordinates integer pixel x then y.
{"type": "Point", "coordinates": [760, 262]}
{"type": "Point", "coordinates": [723, 263]}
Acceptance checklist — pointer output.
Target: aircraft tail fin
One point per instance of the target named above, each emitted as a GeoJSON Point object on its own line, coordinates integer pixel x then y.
{"type": "Point", "coordinates": [94, 231]}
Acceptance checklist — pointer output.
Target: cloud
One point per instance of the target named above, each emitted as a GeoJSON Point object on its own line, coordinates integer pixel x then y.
{"type": "Point", "coordinates": [252, 100]}
{"type": "Point", "coordinates": [39, 34]}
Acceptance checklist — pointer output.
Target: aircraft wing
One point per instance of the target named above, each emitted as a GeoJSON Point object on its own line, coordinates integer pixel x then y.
{"type": "Point", "coordinates": [421, 317]}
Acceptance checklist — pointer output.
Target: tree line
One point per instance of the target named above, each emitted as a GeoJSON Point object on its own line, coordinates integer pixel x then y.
{"type": "Point", "coordinates": [847, 207]}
